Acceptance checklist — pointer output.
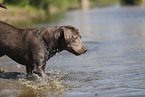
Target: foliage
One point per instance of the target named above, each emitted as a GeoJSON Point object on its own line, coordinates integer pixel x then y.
{"type": "Point", "coordinates": [43, 4]}
{"type": "Point", "coordinates": [59, 5]}
{"type": "Point", "coordinates": [131, 2]}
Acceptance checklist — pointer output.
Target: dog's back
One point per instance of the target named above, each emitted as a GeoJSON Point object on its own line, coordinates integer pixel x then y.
{"type": "Point", "coordinates": [4, 27]}
{"type": "Point", "coordinates": [8, 35]}
{"type": "Point", "coordinates": [13, 41]}
{"type": "Point", "coordinates": [16, 42]}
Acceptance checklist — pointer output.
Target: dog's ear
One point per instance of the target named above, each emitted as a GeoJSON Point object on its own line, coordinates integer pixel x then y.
{"type": "Point", "coordinates": [66, 33]}
{"type": "Point", "coordinates": [62, 31]}
{"type": "Point", "coordinates": [61, 39]}
{"type": "Point", "coordinates": [60, 35]}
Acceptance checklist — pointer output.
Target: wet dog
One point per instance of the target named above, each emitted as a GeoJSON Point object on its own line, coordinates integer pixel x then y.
{"type": "Point", "coordinates": [32, 47]}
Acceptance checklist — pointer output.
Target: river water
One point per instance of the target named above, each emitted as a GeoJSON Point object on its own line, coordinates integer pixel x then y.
{"type": "Point", "coordinates": [113, 66]}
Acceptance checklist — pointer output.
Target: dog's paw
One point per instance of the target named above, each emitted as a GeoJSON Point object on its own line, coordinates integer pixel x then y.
{"type": "Point", "coordinates": [33, 77]}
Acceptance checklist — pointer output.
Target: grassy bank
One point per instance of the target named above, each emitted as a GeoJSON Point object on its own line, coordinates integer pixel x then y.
{"type": "Point", "coordinates": [31, 10]}
{"type": "Point", "coordinates": [49, 6]}
{"type": "Point", "coordinates": [18, 14]}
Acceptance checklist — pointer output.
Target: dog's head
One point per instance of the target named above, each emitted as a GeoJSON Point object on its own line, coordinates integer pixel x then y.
{"type": "Point", "coordinates": [72, 40]}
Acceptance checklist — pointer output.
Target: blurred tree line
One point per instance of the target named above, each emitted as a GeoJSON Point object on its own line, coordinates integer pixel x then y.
{"type": "Point", "coordinates": [60, 4]}
{"type": "Point", "coordinates": [131, 2]}
{"type": "Point", "coordinates": [44, 4]}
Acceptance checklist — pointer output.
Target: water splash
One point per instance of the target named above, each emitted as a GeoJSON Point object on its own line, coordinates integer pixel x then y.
{"type": "Point", "coordinates": [51, 84]}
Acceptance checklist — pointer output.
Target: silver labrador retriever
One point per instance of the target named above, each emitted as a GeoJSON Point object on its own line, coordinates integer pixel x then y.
{"type": "Point", "coordinates": [32, 47]}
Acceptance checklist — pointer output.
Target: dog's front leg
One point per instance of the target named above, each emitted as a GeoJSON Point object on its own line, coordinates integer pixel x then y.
{"type": "Point", "coordinates": [36, 69]}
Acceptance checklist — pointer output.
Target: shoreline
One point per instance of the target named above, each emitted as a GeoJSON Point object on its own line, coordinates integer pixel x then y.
{"type": "Point", "coordinates": [18, 14]}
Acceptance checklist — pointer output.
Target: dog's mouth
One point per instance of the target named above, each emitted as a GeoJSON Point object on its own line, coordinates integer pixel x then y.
{"type": "Point", "coordinates": [76, 51]}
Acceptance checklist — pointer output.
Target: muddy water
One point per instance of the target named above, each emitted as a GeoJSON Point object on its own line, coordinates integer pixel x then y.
{"type": "Point", "coordinates": [113, 66]}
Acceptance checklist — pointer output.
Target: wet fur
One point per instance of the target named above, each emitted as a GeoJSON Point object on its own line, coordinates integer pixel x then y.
{"type": "Point", "coordinates": [32, 47]}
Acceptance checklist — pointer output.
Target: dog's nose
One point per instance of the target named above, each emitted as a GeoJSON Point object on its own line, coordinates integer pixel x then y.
{"type": "Point", "coordinates": [85, 49]}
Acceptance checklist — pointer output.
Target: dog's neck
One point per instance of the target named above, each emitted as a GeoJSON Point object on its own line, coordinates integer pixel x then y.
{"type": "Point", "coordinates": [51, 37]}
